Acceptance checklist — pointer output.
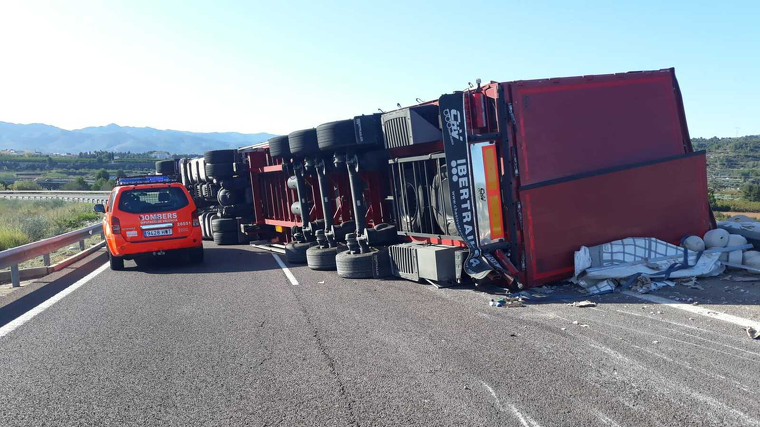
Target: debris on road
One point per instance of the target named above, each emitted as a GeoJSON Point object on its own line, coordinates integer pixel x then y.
{"type": "Point", "coordinates": [690, 283]}
{"type": "Point", "coordinates": [583, 304]}
{"type": "Point", "coordinates": [321, 282]}
{"type": "Point", "coordinates": [507, 302]}
{"type": "Point", "coordinates": [752, 332]}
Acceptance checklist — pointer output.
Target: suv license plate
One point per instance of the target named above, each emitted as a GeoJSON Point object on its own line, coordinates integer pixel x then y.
{"type": "Point", "coordinates": [160, 232]}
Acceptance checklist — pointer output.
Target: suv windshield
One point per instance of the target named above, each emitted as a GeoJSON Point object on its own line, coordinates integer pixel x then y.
{"type": "Point", "coordinates": [152, 200]}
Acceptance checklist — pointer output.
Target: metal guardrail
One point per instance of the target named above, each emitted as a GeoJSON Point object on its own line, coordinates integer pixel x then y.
{"type": "Point", "coordinates": [14, 256]}
{"type": "Point", "coordinates": [72, 196]}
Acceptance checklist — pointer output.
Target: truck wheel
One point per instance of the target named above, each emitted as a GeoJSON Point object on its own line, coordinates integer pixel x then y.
{"type": "Point", "coordinates": [354, 266]}
{"type": "Point", "coordinates": [196, 255]}
{"type": "Point", "coordinates": [375, 263]}
{"type": "Point", "coordinates": [220, 169]}
{"type": "Point", "coordinates": [321, 258]}
{"type": "Point", "coordinates": [220, 156]}
{"type": "Point", "coordinates": [226, 238]}
{"type": "Point", "coordinates": [166, 167]}
{"type": "Point", "coordinates": [116, 263]}
{"type": "Point", "coordinates": [278, 147]}
{"type": "Point", "coordinates": [224, 225]}
{"type": "Point", "coordinates": [335, 135]}
{"type": "Point", "coordinates": [303, 142]}
{"type": "Point", "coordinates": [296, 252]}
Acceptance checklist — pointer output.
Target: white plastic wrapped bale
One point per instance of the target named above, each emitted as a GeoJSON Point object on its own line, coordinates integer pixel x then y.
{"type": "Point", "coordinates": [646, 255]}
{"type": "Point", "coordinates": [597, 267]}
{"type": "Point", "coordinates": [717, 238]}
{"type": "Point", "coordinates": [694, 243]}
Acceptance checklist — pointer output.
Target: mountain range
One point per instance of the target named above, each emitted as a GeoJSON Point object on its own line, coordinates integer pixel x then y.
{"type": "Point", "coordinates": [50, 139]}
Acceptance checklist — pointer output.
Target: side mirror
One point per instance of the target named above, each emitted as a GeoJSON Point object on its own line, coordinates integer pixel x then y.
{"type": "Point", "coordinates": [99, 208]}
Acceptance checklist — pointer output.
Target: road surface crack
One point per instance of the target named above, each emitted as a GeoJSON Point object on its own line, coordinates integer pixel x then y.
{"type": "Point", "coordinates": [330, 362]}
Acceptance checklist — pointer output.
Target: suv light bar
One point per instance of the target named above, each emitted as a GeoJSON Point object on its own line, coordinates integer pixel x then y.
{"type": "Point", "coordinates": [145, 179]}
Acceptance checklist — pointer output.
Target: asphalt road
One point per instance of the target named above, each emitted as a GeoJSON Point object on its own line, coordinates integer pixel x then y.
{"type": "Point", "coordinates": [233, 342]}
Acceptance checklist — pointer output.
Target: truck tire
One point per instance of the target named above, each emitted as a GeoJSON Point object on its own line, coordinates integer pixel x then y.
{"type": "Point", "coordinates": [166, 167]}
{"type": "Point", "coordinates": [335, 135]}
{"type": "Point", "coordinates": [220, 169]}
{"type": "Point", "coordinates": [220, 156]}
{"type": "Point", "coordinates": [296, 252]}
{"type": "Point", "coordinates": [303, 142]}
{"type": "Point", "coordinates": [224, 225]}
{"type": "Point", "coordinates": [321, 258]}
{"type": "Point", "coordinates": [361, 266]}
{"type": "Point", "coordinates": [278, 147]}
{"type": "Point", "coordinates": [226, 238]}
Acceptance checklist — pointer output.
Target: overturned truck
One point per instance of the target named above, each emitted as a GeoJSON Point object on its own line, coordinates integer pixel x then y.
{"type": "Point", "coordinates": [497, 183]}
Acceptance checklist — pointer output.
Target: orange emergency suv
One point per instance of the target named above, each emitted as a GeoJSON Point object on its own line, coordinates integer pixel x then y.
{"type": "Point", "coordinates": [148, 216]}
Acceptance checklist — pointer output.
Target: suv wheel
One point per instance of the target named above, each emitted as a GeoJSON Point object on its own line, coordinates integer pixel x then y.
{"type": "Point", "coordinates": [116, 263]}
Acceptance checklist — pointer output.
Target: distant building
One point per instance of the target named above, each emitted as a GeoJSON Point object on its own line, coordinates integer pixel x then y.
{"type": "Point", "coordinates": [160, 155]}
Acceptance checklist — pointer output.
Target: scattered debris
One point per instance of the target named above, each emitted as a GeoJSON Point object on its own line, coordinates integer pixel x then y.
{"type": "Point", "coordinates": [575, 322]}
{"type": "Point", "coordinates": [655, 342]}
{"type": "Point", "coordinates": [690, 283]}
{"type": "Point", "coordinates": [563, 329]}
{"type": "Point", "coordinates": [644, 284]}
{"type": "Point", "coordinates": [752, 332]}
{"type": "Point", "coordinates": [583, 304]}
{"type": "Point", "coordinates": [695, 303]}
{"type": "Point", "coordinates": [507, 302]}
{"type": "Point", "coordinates": [321, 282]}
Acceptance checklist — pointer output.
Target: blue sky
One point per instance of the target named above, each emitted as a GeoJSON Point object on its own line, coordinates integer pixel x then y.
{"type": "Point", "coordinates": [279, 66]}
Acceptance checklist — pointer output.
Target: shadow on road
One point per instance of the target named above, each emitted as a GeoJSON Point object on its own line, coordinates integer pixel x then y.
{"type": "Point", "coordinates": [217, 260]}
{"type": "Point", "coordinates": [14, 309]}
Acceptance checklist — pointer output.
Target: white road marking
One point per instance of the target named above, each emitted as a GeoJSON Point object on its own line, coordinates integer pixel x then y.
{"type": "Point", "coordinates": [9, 327]}
{"type": "Point", "coordinates": [695, 309]}
{"type": "Point", "coordinates": [525, 420]}
{"type": "Point", "coordinates": [605, 419]}
{"type": "Point", "coordinates": [285, 269]}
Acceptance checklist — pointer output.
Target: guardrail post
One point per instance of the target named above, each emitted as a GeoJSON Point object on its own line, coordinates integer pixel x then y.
{"type": "Point", "coordinates": [81, 245]}
{"type": "Point", "coordinates": [46, 260]}
{"type": "Point", "coordinates": [15, 276]}
{"type": "Point", "coordinates": [102, 236]}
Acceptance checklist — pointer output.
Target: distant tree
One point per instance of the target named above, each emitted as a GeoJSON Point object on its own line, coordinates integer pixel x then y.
{"type": "Point", "coordinates": [50, 163]}
{"type": "Point", "coordinates": [751, 191]}
{"type": "Point", "coordinates": [78, 184]}
{"type": "Point", "coordinates": [103, 184]}
{"type": "Point", "coordinates": [120, 174]}
{"type": "Point", "coordinates": [26, 186]}
{"type": "Point", "coordinates": [102, 174]}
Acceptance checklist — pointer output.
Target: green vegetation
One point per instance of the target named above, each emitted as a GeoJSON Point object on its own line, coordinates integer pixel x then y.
{"type": "Point", "coordinates": [25, 186]}
{"type": "Point", "coordinates": [733, 172]}
{"type": "Point", "coordinates": [23, 221]}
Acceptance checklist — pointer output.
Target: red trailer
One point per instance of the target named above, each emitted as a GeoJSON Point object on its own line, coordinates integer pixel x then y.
{"type": "Point", "coordinates": [503, 182]}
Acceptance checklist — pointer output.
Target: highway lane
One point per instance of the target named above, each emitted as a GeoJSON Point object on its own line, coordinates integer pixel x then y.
{"type": "Point", "coordinates": [233, 342]}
